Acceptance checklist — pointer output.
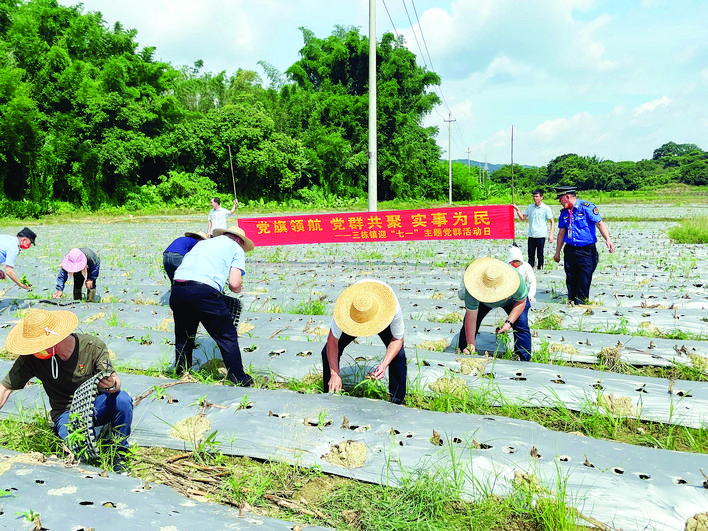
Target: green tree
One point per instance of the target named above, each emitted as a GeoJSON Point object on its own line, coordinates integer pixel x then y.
{"type": "Point", "coordinates": [328, 110]}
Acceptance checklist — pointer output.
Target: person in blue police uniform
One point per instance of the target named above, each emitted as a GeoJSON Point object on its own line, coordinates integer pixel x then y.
{"type": "Point", "coordinates": [576, 229]}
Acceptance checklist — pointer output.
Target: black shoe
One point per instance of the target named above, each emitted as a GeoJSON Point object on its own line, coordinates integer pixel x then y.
{"type": "Point", "coordinates": [120, 463]}
{"type": "Point", "coordinates": [245, 382]}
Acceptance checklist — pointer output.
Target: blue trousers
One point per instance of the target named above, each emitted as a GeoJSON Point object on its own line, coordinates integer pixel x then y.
{"type": "Point", "coordinates": [522, 333]}
{"type": "Point", "coordinates": [171, 261]}
{"type": "Point", "coordinates": [115, 409]}
{"type": "Point", "coordinates": [195, 303]}
{"type": "Point", "coordinates": [397, 370]}
{"type": "Point", "coordinates": [579, 264]}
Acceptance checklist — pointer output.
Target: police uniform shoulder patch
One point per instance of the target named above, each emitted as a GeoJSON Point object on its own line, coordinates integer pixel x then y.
{"type": "Point", "coordinates": [595, 211]}
{"type": "Point", "coordinates": [585, 203]}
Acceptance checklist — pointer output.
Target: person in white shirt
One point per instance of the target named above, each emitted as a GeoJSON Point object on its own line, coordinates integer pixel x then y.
{"type": "Point", "coordinates": [10, 249]}
{"type": "Point", "coordinates": [218, 215]}
{"type": "Point", "coordinates": [537, 214]}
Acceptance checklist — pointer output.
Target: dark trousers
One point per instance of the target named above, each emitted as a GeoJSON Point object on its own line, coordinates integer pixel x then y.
{"type": "Point", "coordinates": [535, 248]}
{"type": "Point", "coordinates": [79, 285]}
{"type": "Point", "coordinates": [579, 264]}
{"type": "Point", "coordinates": [171, 261]}
{"type": "Point", "coordinates": [397, 370]}
{"type": "Point", "coordinates": [195, 303]}
{"type": "Point", "coordinates": [522, 333]}
{"type": "Point", "coordinates": [115, 409]}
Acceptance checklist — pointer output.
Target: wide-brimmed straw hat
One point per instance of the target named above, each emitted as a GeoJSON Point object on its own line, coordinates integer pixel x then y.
{"type": "Point", "coordinates": [74, 261]}
{"type": "Point", "coordinates": [490, 280]}
{"type": "Point", "coordinates": [237, 231]}
{"type": "Point", "coordinates": [39, 330]}
{"type": "Point", "coordinates": [365, 309]}
{"type": "Point", "coordinates": [199, 235]}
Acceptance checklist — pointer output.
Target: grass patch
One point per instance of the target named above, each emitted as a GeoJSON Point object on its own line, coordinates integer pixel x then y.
{"type": "Point", "coordinates": [690, 230]}
{"type": "Point", "coordinates": [311, 307]}
{"type": "Point", "coordinates": [595, 421]}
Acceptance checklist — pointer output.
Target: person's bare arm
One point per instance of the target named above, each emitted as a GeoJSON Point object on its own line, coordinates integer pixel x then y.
{"type": "Point", "coordinates": [4, 395]}
{"type": "Point", "coordinates": [514, 314]}
{"type": "Point", "coordinates": [550, 234]}
{"type": "Point", "coordinates": [235, 280]}
{"type": "Point", "coordinates": [10, 273]}
{"type": "Point", "coordinates": [519, 214]}
{"type": "Point", "coordinates": [470, 331]}
{"type": "Point", "coordinates": [335, 380]}
{"type": "Point", "coordinates": [559, 245]}
{"type": "Point", "coordinates": [602, 227]}
{"type": "Point", "coordinates": [233, 209]}
{"type": "Point", "coordinates": [394, 347]}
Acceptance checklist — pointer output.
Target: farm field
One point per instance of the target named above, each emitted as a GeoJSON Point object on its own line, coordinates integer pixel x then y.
{"type": "Point", "coordinates": [634, 359]}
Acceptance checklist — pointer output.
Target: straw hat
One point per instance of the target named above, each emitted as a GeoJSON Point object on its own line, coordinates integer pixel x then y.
{"type": "Point", "coordinates": [199, 235]}
{"type": "Point", "coordinates": [39, 330]}
{"type": "Point", "coordinates": [74, 261]}
{"type": "Point", "coordinates": [490, 280]}
{"type": "Point", "coordinates": [365, 309]}
{"type": "Point", "coordinates": [237, 231]}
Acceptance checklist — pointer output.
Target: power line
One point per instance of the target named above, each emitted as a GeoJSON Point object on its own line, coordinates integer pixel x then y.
{"type": "Point", "coordinates": [460, 143]}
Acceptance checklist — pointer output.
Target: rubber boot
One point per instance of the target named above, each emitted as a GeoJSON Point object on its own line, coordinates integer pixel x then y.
{"type": "Point", "coordinates": [91, 295]}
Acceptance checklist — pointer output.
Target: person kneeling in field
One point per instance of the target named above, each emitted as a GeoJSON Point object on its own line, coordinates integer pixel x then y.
{"type": "Point", "coordinates": [62, 360]}
{"type": "Point", "coordinates": [85, 265]}
{"type": "Point", "coordinates": [366, 308]}
{"type": "Point", "coordinates": [490, 283]}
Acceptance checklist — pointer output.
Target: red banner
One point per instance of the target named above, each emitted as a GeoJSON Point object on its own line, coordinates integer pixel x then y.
{"type": "Point", "coordinates": [454, 223]}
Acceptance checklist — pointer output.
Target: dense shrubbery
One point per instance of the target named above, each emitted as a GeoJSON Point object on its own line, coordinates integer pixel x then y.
{"type": "Point", "coordinates": [679, 163]}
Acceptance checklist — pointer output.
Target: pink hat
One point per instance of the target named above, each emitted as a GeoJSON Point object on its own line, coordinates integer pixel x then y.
{"type": "Point", "coordinates": [74, 261]}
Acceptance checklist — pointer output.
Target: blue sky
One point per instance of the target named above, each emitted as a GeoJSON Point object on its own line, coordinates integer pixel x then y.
{"type": "Point", "coordinates": [615, 79]}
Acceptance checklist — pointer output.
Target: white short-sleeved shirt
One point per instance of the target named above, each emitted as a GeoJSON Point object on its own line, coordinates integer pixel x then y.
{"type": "Point", "coordinates": [210, 261]}
{"type": "Point", "coordinates": [396, 325]}
{"type": "Point", "coordinates": [9, 249]}
{"type": "Point", "coordinates": [538, 216]}
{"type": "Point", "coordinates": [218, 218]}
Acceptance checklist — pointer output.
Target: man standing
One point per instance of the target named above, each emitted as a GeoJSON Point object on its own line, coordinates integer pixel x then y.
{"type": "Point", "coordinates": [62, 360]}
{"type": "Point", "coordinates": [84, 264]}
{"type": "Point", "coordinates": [218, 215]}
{"type": "Point", "coordinates": [537, 214]}
{"type": "Point", "coordinates": [196, 298]}
{"type": "Point", "coordinates": [576, 228]}
{"type": "Point", "coordinates": [9, 251]}
{"type": "Point", "coordinates": [366, 308]}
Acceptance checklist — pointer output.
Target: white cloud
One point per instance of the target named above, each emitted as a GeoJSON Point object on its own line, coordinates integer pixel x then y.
{"type": "Point", "coordinates": [651, 106]}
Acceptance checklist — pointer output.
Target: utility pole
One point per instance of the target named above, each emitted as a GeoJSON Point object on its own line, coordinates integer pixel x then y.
{"type": "Point", "coordinates": [468, 161]}
{"type": "Point", "coordinates": [372, 108]}
{"type": "Point", "coordinates": [512, 164]}
{"type": "Point", "coordinates": [449, 151]}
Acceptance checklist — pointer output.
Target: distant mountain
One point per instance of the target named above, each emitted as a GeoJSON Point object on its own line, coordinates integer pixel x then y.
{"type": "Point", "coordinates": [490, 167]}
